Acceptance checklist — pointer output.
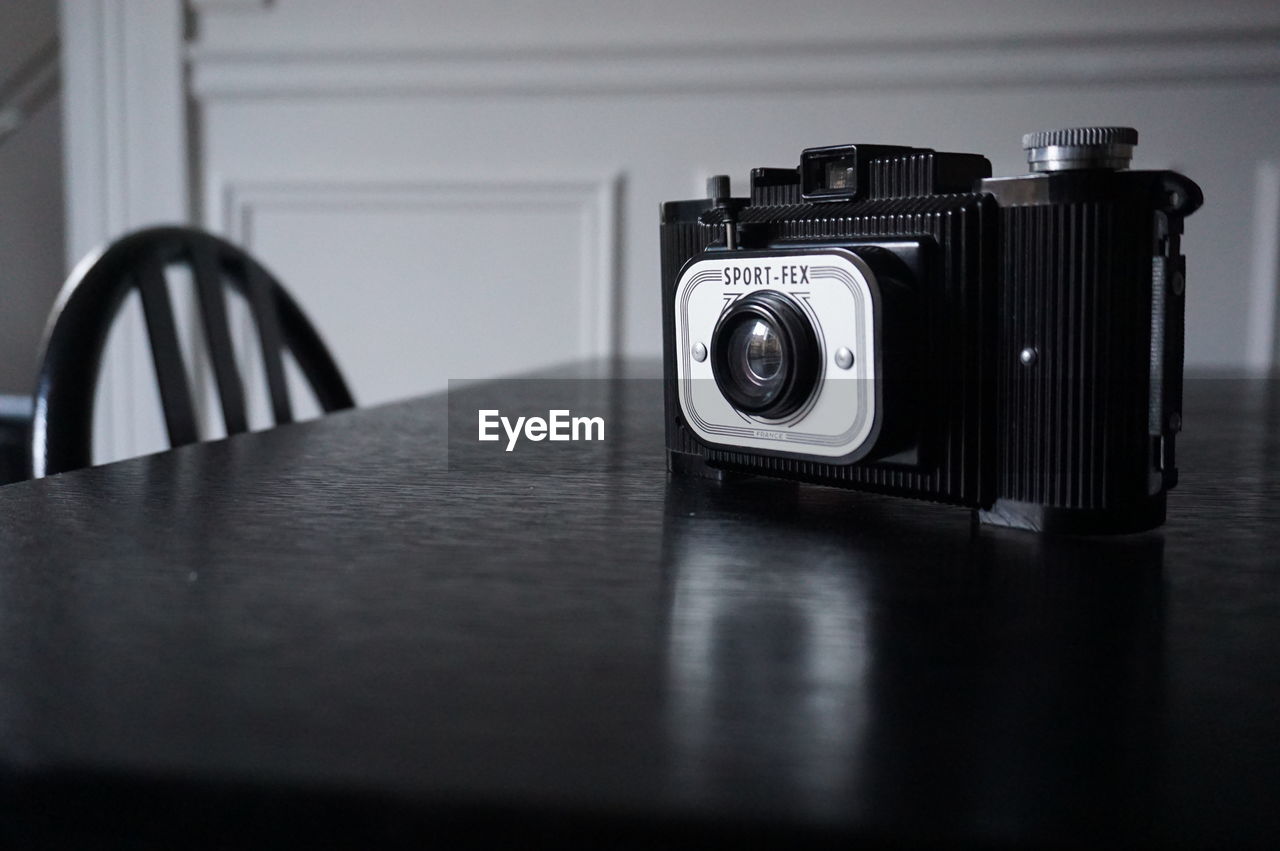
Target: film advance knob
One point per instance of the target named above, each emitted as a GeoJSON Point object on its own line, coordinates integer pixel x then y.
{"type": "Point", "coordinates": [1080, 147]}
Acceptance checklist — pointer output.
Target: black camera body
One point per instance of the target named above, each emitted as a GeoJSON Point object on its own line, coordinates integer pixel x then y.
{"type": "Point", "coordinates": [894, 319]}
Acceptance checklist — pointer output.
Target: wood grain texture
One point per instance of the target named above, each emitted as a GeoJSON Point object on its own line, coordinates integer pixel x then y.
{"type": "Point", "coordinates": [321, 632]}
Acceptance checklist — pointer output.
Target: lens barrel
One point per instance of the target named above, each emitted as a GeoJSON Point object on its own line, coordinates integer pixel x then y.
{"type": "Point", "coordinates": [765, 356]}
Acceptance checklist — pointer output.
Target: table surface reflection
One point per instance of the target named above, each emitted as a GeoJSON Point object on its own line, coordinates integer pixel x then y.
{"type": "Point", "coordinates": [328, 631]}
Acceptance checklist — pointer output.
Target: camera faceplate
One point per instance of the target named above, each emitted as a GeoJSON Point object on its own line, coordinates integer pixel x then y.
{"type": "Point", "coordinates": [837, 293]}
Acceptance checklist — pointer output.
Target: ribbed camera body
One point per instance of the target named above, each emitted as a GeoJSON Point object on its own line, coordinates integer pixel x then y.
{"type": "Point", "coordinates": [895, 320]}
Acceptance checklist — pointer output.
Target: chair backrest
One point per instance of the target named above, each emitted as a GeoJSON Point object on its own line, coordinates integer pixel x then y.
{"type": "Point", "coordinates": [62, 426]}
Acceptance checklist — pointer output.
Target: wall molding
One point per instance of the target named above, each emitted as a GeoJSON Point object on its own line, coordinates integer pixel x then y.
{"type": "Point", "coordinates": [125, 141]}
{"type": "Point", "coordinates": [234, 204]}
{"type": "Point", "coordinates": [203, 6]}
{"type": "Point", "coordinates": [1031, 60]}
{"type": "Point", "coordinates": [1262, 333]}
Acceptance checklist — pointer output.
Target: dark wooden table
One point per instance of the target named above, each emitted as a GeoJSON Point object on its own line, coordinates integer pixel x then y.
{"type": "Point", "coordinates": [325, 633]}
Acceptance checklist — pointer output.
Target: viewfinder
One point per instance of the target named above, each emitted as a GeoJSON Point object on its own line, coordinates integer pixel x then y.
{"type": "Point", "coordinates": [841, 174]}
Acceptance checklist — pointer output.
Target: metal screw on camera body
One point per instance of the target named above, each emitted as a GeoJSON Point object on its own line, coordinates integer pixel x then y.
{"type": "Point", "coordinates": [1028, 356]}
{"type": "Point", "coordinates": [1178, 283]}
{"type": "Point", "coordinates": [699, 352]}
{"type": "Point", "coordinates": [844, 358]}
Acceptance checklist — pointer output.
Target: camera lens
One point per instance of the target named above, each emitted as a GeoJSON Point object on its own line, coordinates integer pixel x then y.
{"type": "Point", "coordinates": [765, 355]}
{"type": "Point", "coordinates": [757, 349]}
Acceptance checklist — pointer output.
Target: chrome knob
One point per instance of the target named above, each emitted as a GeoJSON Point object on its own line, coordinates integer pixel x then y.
{"type": "Point", "coordinates": [1079, 148]}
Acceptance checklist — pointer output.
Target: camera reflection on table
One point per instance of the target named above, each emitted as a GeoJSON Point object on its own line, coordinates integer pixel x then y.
{"type": "Point", "coordinates": [874, 665]}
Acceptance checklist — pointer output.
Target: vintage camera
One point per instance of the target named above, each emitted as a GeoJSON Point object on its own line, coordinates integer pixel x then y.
{"type": "Point", "coordinates": [894, 319]}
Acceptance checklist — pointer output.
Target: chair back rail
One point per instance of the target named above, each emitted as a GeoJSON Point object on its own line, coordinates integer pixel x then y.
{"type": "Point", "coordinates": [61, 435]}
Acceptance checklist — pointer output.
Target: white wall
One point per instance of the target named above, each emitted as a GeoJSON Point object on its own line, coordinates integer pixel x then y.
{"type": "Point", "coordinates": [31, 213]}
{"type": "Point", "coordinates": [464, 189]}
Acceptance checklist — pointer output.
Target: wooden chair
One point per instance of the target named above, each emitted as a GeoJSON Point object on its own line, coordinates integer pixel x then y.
{"type": "Point", "coordinates": [62, 420]}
